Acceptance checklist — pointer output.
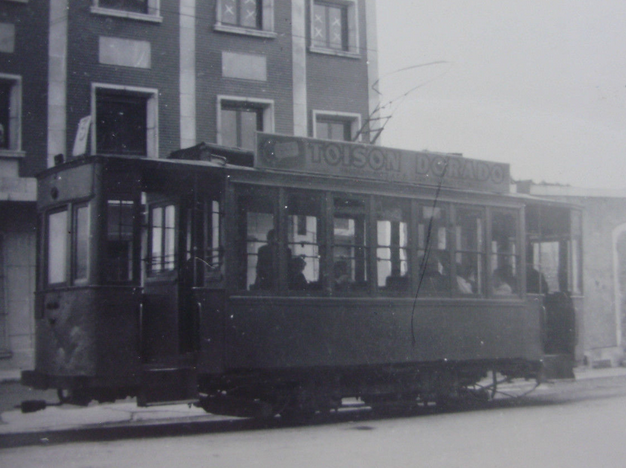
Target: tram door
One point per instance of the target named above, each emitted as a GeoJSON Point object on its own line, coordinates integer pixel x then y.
{"type": "Point", "coordinates": [162, 281]}
{"type": "Point", "coordinates": [553, 270]}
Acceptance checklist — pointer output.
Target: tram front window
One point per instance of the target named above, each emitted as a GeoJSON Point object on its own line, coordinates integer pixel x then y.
{"type": "Point", "coordinates": [304, 221]}
{"type": "Point", "coordinates": [350, 249]}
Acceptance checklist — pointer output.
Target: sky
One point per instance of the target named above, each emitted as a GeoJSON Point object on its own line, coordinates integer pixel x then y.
{"type": "Point", "coordinates": [538, 84]}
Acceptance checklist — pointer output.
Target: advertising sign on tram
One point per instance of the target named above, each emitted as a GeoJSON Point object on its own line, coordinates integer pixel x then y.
{"type": "Point", "coordinates": [346, 159]}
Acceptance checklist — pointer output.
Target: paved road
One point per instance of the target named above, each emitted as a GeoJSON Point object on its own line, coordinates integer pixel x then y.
{"type": "Point", "coordinates": [570, 424]}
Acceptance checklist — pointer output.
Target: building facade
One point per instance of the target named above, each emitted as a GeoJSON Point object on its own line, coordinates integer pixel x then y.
{"type": "Point", "coordinates": [147, 77]}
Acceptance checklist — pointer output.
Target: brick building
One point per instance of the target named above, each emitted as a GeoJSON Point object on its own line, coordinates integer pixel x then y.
{"type": "Point", "coordinates": [154, 76]}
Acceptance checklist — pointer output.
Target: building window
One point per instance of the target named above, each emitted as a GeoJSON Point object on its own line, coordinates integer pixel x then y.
{"type": "Point", "coordinates": [137, 6]}
{"type": "Point", "coordinates": [240, 119]}
{"type": "Point", "coordinates": [125, 122]}
{"type": "Point", "coordinates": [148, 10]}
{"type": "Point", "coordinates": [340, 126]}
{"type": "Point", "coordinates": [10, 112]}
{"type": "Point", "coordinates": [244, 13]}
{"type": "Point", "coordinates": [334, 27]}
{"type": "Point", "coordinates": [251, 17]}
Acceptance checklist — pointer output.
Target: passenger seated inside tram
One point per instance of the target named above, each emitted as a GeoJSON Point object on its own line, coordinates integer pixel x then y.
{"type": "Point", "coordinates": [432, 279]}
{"type": "Point", "coordinates": [265, 271]}
{"type": "Point", "coordinates": [297, 280]}
{"type": "Point", "coordinates": [465, 279]}
{"type": "Point", "coordinates": [503, 281]}
{"type": "Point", "coordinates": [341, 276]}
{"type": "Point", "coordinates": [535, 282]}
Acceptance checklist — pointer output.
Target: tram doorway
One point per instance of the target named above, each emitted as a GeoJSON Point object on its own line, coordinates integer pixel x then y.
{"type": "Point", "coordinates": [553, 270]}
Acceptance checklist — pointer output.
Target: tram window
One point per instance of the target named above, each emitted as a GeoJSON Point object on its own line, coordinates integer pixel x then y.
{"type": "Point", "coordinates": [80, 249]}
{"type": "Point", "coordinates": [392, 237]}
{"type": "Point", "coordinates": [57, 247]}
{"type": "Point", "coordinates": [504, 266]}
{"type": "Point", "coordinates": [350, 248]}
{"type": "Point", "coordinates": [433, 254]}
{"type": "Point", "coordinates": [469, 250]}
{"type": "Point", "coordinates": [304, 221]}
{"type": "Point", "coordinates": [213, 255]}
{"type": "Point", "coordinates": [119, 255]}
{"type": "Point", "coordinates": [162, 238]}
{"type": "Point", "coordinates": [260, 241]}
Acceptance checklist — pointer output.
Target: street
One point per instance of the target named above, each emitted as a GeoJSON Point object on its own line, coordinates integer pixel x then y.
{"type": "Point", "coordinates": [567, 424]}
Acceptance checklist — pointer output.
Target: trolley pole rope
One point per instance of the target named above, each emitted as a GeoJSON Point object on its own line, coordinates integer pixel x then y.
{"type": "Point", "coordinates": [426, 252]}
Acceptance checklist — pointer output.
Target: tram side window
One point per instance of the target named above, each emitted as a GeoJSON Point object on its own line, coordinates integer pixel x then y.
{"type": "Point", "coordinates": [258, 241]}
{"type": "Point", "coordinates": [119, 256]}
{"type": "Point", "coordinates": [304, 237]}
{"type": "Point", "coordinates": [162, 238]}
{"type": "Point", "coordinates": [469, 250]}
{"type": "Point", "coordinates": [434, 253]}
{"type": "Point", "coordinates": [350, 247]}
{"type": "Point", "coordinates": [504, 262]}
{"type": "Point", "coordinates": [80, 250]}
{"type": "Point", "coordinates": [392, 238]}
{"type": "Point", "coordinates": [57, 236]}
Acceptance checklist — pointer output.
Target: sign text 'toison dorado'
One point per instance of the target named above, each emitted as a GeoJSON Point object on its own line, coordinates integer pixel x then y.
{"type": "Point", "coordinates": [345, 159]}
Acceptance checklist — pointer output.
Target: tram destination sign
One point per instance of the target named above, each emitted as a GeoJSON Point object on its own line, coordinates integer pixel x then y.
{"type": "Point", "coordinates": [337, 158]}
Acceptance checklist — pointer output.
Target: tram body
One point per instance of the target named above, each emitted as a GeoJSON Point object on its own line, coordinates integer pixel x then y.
{"type": "Point", "coordinates": [212, 278]}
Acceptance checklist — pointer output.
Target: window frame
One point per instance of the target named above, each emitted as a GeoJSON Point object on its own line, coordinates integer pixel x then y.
{"type": "Point", "coordinates": [266, 30]}
{"type": "Point", "coordinates": [153, 14]}
{"type": "Point", "coordinates": [265, 105]}
{"type": "Point", "coordinates": [480, 251]}
{"type": "Point", "coordinates": [353, 118]}
{"type": "Point", "coordinates": [152, 114]}
{"type": "Point", "coordinates": [67, 209]}
{"type": "Point", "coordinates": [74, 244]}
{"type": "Point", "coordinates": [351, 27]}
{"type": "Point", "coordinates": [14, 132]}
{"type": "Point", "coordinates": [518, 289]}
{"type": "Point", "coordinates": [164, 269]}
{"type": "Point", "coordinates": [406, 208]}
{"type": "Point", "coordinates": [358, 286]}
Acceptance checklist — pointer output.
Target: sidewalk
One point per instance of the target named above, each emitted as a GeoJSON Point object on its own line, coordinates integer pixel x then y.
{"type": "Point", "coordinates": [126, 413]}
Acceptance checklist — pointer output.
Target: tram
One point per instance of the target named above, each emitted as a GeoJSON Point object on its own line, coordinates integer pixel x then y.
{"type": "Point", "coordinates": [284, 280]}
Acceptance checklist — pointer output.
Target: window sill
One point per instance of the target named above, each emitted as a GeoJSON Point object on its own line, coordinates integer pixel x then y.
{"type": "Point", "coordinates": [152, 18]}
{"type": "Point", "coordinates": [11, 154]}
{"type": "Point", "coordinates": [244, 31]}
{"type": "Point", "coordinates": [336, 53]}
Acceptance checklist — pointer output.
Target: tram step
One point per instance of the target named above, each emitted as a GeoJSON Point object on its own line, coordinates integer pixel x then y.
{"type": "Point", "coordinates": [557, 366]}
{"type": "Point", "coordinates": [160, 386]}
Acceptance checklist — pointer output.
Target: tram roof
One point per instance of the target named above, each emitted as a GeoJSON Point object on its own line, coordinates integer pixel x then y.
{"type": "Point", "coordinates": [282, 155]}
